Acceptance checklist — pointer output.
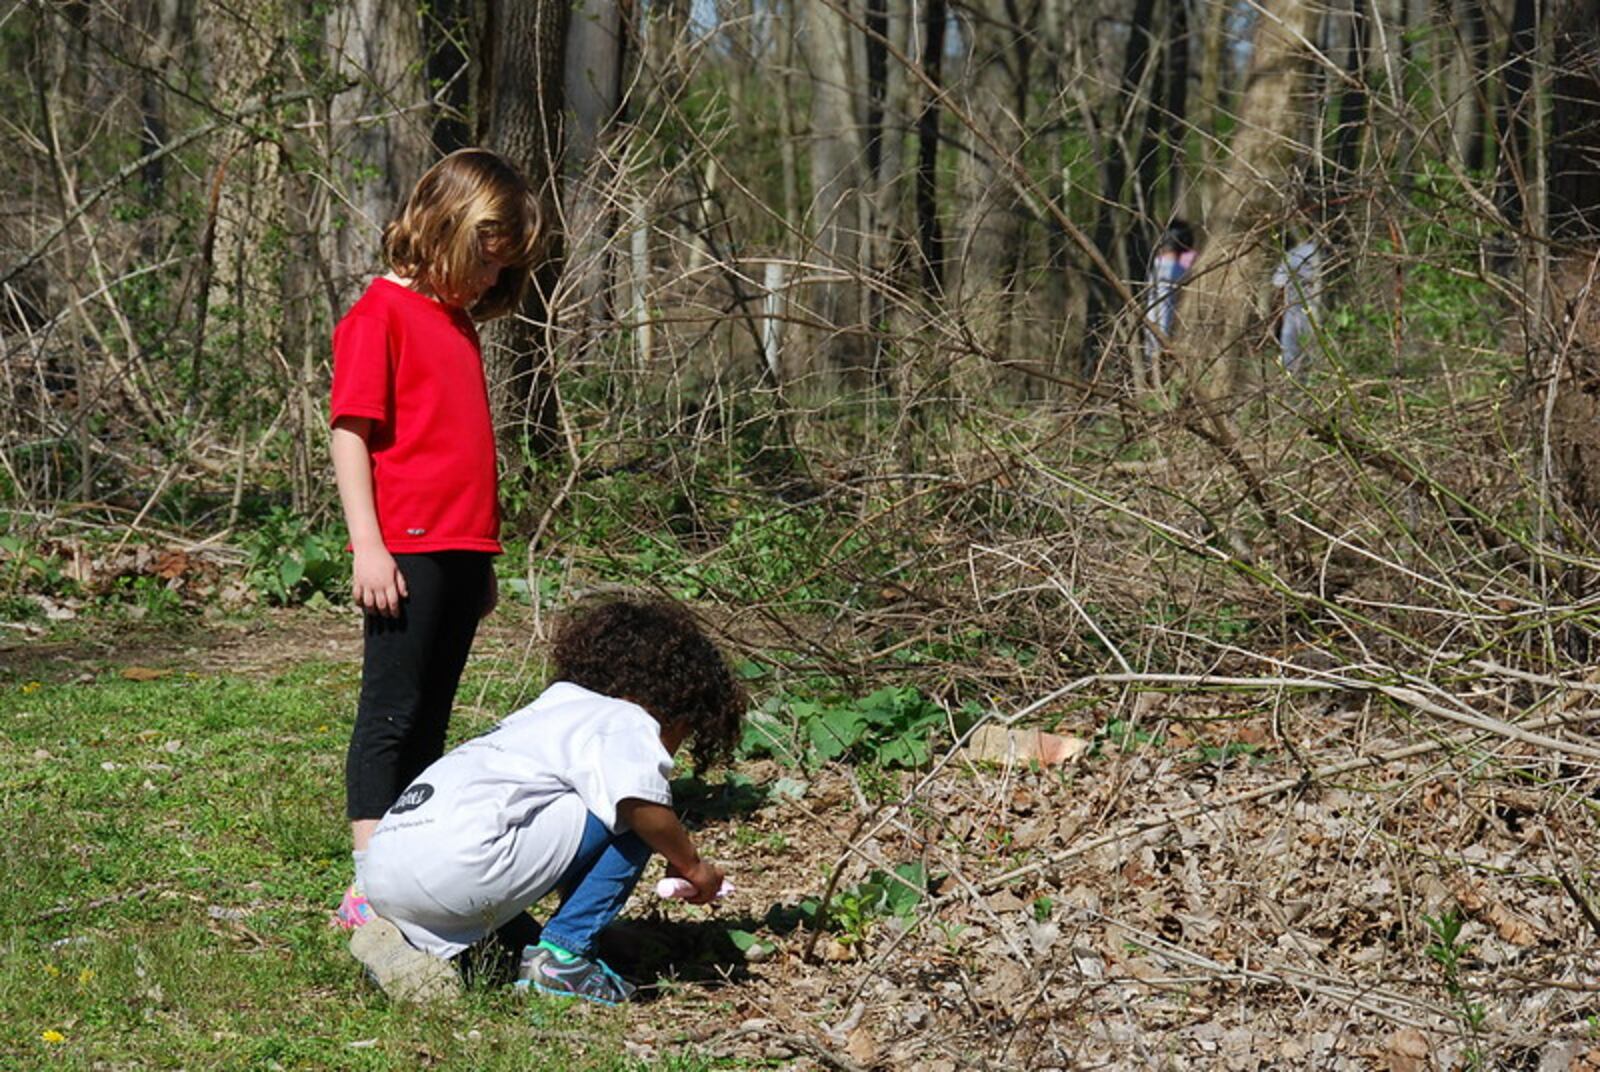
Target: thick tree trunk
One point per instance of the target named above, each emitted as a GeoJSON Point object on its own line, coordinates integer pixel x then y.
{"type": "Point", "coordinates": [991, 237]}
{"type": "Point", "coordinates": [593, 98]}
{"type": "Point", "coordinates": [522, 97]}
{"type": "Point", "coordinates": [1573, 175]}
{"type": "Point", "coordinates": [382, 127]}
{"type": "Point", "coordinates": [1238, 257]}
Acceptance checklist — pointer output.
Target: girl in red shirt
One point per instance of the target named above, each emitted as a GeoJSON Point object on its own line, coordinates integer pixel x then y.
{"type": "Point", "coordinates": [414, 458]}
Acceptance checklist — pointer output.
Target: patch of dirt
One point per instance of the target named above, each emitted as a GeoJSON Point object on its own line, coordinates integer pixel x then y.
{"type": "Point", "coordinates": [1192, 904]}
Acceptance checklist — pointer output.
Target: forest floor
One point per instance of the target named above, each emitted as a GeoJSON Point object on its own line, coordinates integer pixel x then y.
{"type": "Point", "coordinates": [1173, 898]}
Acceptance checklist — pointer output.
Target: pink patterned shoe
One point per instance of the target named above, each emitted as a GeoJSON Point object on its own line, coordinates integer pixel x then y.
{"type": "Point", "coordinates": [354, 910]}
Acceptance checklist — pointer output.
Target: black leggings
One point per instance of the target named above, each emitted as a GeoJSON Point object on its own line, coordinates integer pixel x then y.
{"type": "Point", "coordinates": [409, 671]}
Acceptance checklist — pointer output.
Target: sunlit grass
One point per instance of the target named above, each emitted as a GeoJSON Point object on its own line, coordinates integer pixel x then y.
{"type": "Point", "coordinates": [171, 850]}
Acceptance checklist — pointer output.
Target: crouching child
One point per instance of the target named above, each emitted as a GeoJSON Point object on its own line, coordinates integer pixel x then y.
{"type": "Point", "coordinates": [569, 794]}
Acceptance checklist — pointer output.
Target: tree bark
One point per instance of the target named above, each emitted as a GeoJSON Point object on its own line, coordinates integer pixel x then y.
{"type": "Point", "coordinates": [1573, 174]}
{"type": "Point", "coordinates": [930, 239]}
{"type": "Point", "coordinates": [522, 95]}
{"type": "Point", "coordinates": [381, 127]}
{"type": "Point", "coordinates": [836, 156]}
{"type": "Point", "coordinates": [595, 50]}
{"type": "Point", "coordinates": [1514, 119]}
{"type": "Point", "coordinates": [984, 269]}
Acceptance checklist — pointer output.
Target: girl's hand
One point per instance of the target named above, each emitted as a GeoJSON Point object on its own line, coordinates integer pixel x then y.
{"type": "Point", "coordinates": [377, 586]}
{"type": "Point", "coordinates": [491, 595]}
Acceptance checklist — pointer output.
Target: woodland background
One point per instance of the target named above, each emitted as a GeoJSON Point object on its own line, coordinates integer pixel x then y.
{"type": "Point", "coordinates": [840, 336]}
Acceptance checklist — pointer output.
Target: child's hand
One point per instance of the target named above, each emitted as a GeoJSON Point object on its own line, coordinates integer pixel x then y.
{"type": "Point", "coordinates": [707, 878]}
{"type": "Point", "coordinates": [377, 586]}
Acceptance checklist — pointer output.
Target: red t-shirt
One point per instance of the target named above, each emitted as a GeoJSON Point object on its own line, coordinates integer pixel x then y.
{"type": "Point", "coordinates": [414, 366]}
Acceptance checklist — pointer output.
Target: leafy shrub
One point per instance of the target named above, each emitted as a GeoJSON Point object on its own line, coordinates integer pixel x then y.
{"type": "Point", "coordinates": [292, 563]}
{"type": "Point", "coordinates": [892, 727]}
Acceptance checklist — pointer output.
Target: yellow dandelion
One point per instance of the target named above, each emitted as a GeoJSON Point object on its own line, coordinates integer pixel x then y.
{"type": "Point", "coordinates": [52, 970]}
{"type": "Point", "coordinates": [84, 976]}
{"type": "Point", "coordinates": [31, 686]}
{"type": "Point", "coordinates": [53, 1036]}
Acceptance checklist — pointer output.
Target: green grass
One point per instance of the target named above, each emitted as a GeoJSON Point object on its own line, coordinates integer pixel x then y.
{"type": "Point", "coordinates": [171, 851]}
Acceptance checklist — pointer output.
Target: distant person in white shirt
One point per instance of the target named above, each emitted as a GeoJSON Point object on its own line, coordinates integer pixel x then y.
{"type": "Point", "coordinates": [568, 794]}
{"type": "Point", "coordinates": [1299, 277]}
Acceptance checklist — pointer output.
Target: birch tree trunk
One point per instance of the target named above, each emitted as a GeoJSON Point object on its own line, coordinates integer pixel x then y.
{"type": "Point", "coordinates": [1219, 297]}
{"type": "Point", "coordinates": [836, 163]}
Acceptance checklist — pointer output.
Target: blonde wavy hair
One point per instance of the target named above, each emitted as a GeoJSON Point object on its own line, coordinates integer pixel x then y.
{"type": "Point", "coordinates": [471, 204]}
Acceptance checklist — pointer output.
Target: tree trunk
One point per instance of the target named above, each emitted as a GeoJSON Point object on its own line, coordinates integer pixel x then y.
{"type": "Point", "coordinates": [991, 237]}
{"type": "Point", "coordinates": [836, 159]}
{"type": "Point", "coordinates": [593, 88]}
{"type": "Point", "coordinates": [1174, 122]}
{"type": "Point", "coordinates": [1514, 119]}
{"type": "Point", "coordinates": [1238, 258]}
{"type": "Point", "coordinates": [1573, 175]}
{"type": "Point", "coordinates": [1477, 31]}
{"type": "Point", "coordinates": [170, 21]}
{"type": "Point", "coordinates": [522, 95]}
{"type": "Point", "coordinates": [381, 126]}
{"type": "Point", "coordinates": [930, 239]}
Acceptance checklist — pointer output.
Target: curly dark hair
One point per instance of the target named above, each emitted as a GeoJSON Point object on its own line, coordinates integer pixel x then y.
{"type": "Point", "coordinates": [652, 652]}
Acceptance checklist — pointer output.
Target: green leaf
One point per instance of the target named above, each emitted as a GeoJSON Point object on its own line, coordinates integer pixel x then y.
{"type": "Point", "coordinates": [834, 733]}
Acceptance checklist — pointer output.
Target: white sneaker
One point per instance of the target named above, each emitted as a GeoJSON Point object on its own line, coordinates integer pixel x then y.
{"type": "Point", "coordinates": [401, 970]}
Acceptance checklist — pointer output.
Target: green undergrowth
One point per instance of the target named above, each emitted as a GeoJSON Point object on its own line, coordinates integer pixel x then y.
{"type": "Point", "coordinates": [892, 727]}
{"type": "Point", "coordinates": [172, 851]}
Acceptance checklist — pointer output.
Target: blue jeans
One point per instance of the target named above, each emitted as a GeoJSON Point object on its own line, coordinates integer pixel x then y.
{"type": "Point", "coordinates": [595, 886]}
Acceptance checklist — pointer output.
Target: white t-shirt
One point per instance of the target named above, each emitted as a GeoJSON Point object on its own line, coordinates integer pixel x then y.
{"type": "Point", "coordinates": [490, 827]}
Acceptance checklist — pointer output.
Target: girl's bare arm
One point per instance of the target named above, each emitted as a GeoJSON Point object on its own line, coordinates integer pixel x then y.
{"type": "Point", "coordinates": [376, 585]}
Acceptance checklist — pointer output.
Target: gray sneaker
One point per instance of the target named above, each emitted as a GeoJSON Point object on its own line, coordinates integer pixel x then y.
{"type": "Point", "coordinates": [591, 980]}
{"type": "Point", "coordinates": [401, 970]}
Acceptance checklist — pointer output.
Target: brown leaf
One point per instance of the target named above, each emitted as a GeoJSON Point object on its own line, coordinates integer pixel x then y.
{"type": "Point", "coordinates": [1407, 1051]}
{"type": "Point", "coordinates": [1510, 926]}
{"type": "Point", "coordinates": [861, 1048]}
{"type": "Point", "coordinates": [144, 673]}
{"type": "Point", "coordinates": [172, 564]}
{"type": "Point", "coordinates": [996, 744]}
